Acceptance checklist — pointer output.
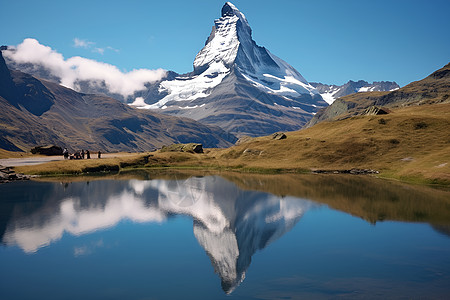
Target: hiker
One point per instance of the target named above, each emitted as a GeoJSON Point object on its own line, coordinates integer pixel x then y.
{"type": "Point", "coordinates": [99, 154]}
{"type": "Point", "coordinates": [66, 153]}
{"type": "Point", "coordinates": [88, 154]}
{"type": "Point", "coordinates": [82, 154]}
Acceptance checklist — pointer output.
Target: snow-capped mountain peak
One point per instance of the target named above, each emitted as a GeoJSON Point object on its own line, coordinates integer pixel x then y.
{"type": "Point", "coordinates": [230, 10]}
{"type": "Point", "coordinates": [225, 39]}
{"type": "Point", "coordinates": [232, 74]}
{"type": "Point", "coordinates": [231, 43]}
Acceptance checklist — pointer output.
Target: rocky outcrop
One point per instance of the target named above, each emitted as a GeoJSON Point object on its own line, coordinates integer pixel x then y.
{"type": "Point", "coordinates": [190, 148]}
{"type": "Point", "coordinates": [47, 150]}
{"type": "Point", "coordinates": [7, 175]}
{"type": "Point", "coordinates": [350, 171]}
{"type": "Point", "coordinates": [338, 108]}
{"type": "Point", "coordinates": [249, 151]}
{"type": "Point", "coordinates": [244, 139]}
{"type": "Point", "coordinates": [375, 110]}
{"type": "Point", "coordinates": [279, 136]}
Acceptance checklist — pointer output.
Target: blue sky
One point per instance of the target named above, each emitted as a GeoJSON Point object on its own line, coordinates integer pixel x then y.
{"type": "Point", "coordinates": [326, 41]}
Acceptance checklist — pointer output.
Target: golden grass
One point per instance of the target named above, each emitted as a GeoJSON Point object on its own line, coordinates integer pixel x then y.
{"type": "Point", "coordinates": [82, 166]}
{"type": "Point", "coordinates": [12, 154]}
{"type": "Point", "coordinates": [409, 144]}
{"type": "Point", "coordinates": [413, 141]}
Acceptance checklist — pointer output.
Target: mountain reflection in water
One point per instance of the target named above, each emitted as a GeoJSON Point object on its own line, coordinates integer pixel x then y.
{"type": "Point", "coordinates": [230, 223]}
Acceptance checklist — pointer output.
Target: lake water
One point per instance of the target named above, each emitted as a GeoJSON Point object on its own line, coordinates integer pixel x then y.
{"type": "Point", "coordinates": [184, 236]}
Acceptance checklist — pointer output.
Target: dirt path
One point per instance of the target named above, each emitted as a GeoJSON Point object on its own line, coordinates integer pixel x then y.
{"type": "Point", "coordinates": [29, 161]}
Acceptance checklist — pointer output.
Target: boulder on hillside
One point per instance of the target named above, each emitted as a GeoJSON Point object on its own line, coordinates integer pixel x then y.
{"type": "Point", "coordinates": [243, 140]}
{"type": "Point", "coordinates": [191, 148]}
{"type": "Point", "coordinates": [375, 110]}
{"type": "Point", "coordinates": [278, 136]}
{"type": "Point", "coordinates": [47, 150]}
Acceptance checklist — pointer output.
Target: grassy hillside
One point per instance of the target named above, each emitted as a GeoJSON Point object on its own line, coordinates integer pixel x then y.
{"type": "Point", "coordinates": [410, 144]}
{"type": "Point", "coordinates": [12, 154]}
{"type": "Point", "coordinates": [430, 90]}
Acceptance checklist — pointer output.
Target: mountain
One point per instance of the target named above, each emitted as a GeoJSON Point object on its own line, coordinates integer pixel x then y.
{"type": "Point", "coordinates": [237, 85]}
{"type": "Point", "coordinates": [37, 112]}
{"type": "Point", "coordinates": [432, 89]}
{"type": "Point", "coordinates": [331, 92]}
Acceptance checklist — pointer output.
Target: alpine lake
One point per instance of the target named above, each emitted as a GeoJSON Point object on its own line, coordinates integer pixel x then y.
{"type": "Point", "coordinates": [200, 235]}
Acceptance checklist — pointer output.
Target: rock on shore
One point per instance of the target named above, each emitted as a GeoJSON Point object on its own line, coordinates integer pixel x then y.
{"type": "Point", "coordinates": [7, 174]}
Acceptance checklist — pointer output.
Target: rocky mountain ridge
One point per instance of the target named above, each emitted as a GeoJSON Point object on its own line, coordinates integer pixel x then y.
{"type": "Point", "coordinates": [431, 90]}
{"type": "Point", "coordinates": [331, 92]}
{"type": "Point", "coordinates": [37, 112]}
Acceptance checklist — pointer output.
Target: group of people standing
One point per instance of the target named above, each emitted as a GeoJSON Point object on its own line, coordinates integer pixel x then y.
{"type": "Point", "coordinates": [79, 154]}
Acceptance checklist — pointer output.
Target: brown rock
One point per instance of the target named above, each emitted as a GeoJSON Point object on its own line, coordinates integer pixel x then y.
{"type": "Point", "coordinates": [279, 136]}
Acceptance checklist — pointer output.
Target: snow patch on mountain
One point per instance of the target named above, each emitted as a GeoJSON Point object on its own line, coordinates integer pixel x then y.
{"type": "Point", "coordinates": [222, 45]}
{"type": "Point", "coordinates": [329, 96]}
{"type": "Point", "coordinates": [188, 89]}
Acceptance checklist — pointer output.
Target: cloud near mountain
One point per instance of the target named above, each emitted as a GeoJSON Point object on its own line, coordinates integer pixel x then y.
{"type": "Point", "coordinates": [75, 69]}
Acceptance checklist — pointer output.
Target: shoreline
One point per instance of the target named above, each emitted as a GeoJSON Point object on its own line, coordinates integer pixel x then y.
{"type": "Point", "coordinates": [114, 166]}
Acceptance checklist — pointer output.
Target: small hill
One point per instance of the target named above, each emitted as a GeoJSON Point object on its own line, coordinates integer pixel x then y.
{"type": "Point", "coordinates": [432, 89]}
{"type": "Point", "coordinates": [409, 143]}
{"type": "Point", "coordinates": [35, 112]}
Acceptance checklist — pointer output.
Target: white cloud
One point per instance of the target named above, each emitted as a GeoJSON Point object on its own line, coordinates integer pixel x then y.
{"type": "Point", "coordinates": [112, 49]}
{"type": "Point", "coordinates": [99, 50]}
{"type": "Point", "coordinates": [79, 43]}
{"type": "Point", "coordinates": [78, 68]}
